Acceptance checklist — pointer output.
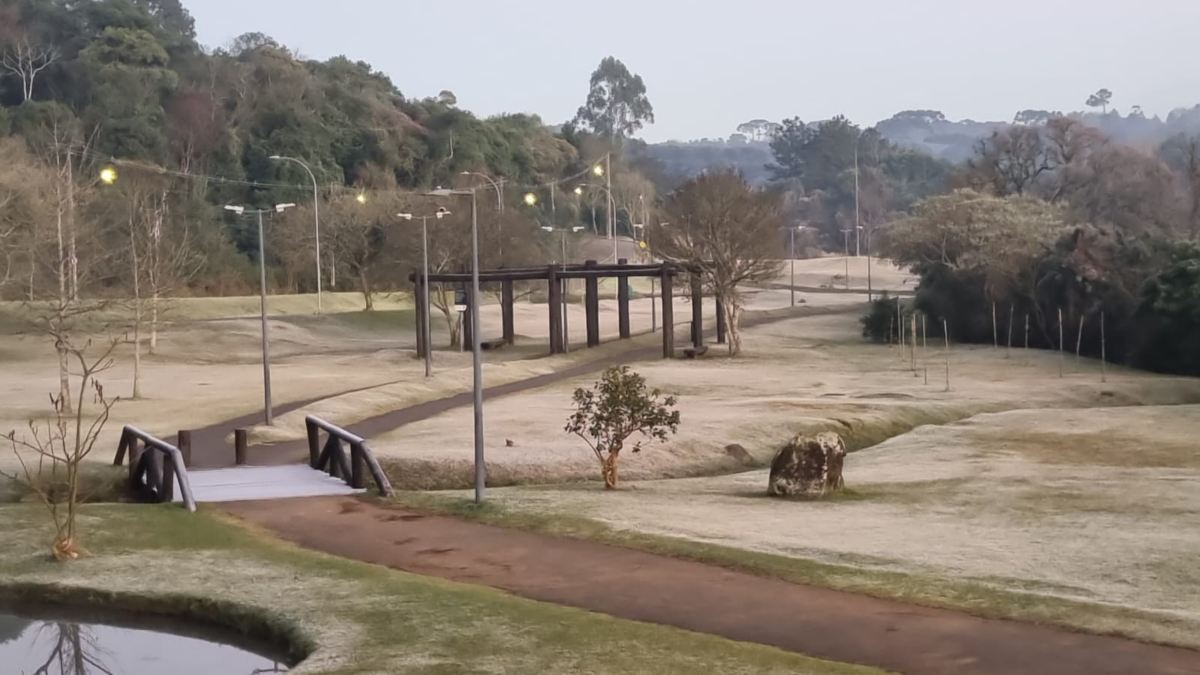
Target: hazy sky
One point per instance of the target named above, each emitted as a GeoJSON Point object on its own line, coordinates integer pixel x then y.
{"type": "Point", "coordinates": [710, 65]}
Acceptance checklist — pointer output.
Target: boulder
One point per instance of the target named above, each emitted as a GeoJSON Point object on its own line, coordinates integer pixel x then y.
{"type": "Point", "coordinates": [808, 466]}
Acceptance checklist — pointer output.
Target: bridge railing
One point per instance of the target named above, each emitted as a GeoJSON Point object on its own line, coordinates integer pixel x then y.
{"type": "Point", "coordinates": [155, 467]}
{"type": "Point", "coordinates": [332, 457]}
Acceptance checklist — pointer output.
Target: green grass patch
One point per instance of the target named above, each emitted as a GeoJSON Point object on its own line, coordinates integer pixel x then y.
{"type": "Point", "coordinates": [352, 616]}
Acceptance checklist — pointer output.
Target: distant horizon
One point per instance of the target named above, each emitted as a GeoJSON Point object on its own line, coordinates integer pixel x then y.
{"type": "Point", "coordinates": [773, 61]}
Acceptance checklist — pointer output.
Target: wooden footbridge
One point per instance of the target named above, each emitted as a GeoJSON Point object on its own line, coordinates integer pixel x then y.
{"type": "Point", "coordinates": [159, 471]}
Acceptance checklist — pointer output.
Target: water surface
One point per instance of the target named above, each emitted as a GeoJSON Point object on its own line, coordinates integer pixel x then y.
{"type": "Point", "coordinates": [66, 644]}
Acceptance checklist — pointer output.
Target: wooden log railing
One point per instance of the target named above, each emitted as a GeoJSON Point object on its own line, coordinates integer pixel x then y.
{"type": "Point", "coordinates": [155, 467]}
{"type": "Point", "coordinates": [332, 459]}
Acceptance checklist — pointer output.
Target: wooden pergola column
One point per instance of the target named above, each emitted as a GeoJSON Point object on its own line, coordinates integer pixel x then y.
{"type": "Point", "coordinates": [419, 304]}
{"type": "Point", "coordinates": [506, 308]}
{"type": "Point", "coordinates": [623, 301]}
{"type": "Point", "coordinates": [721, 327]}
{"type": "Point", "coordinates": [556, 316]}
{"type": "Point", "coordinates": [668, 314]}
{"type": "Point", "coordinates": [697, 309]}
{"type": "Point", "coordinates": [592, 306]}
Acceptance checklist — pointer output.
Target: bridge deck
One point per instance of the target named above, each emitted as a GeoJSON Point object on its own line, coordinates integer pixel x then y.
{"type": "Point", "coordinates": [263, 482]}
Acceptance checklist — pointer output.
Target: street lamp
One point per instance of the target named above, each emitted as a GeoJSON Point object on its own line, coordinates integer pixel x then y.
{"type": "Point", "coordinates": [108, 175]}
{"type": "Point", "coordinates": [476, 349]}
{"type": "Point", "coordinates": [612, 210]}
{"type": "Point", "coordinates": [426, 334]}
{"type": "Point", "coordinates": [563, 232]}
{"type": "Point", "coordinates": [316, 217]}
{"type": "Point", "coordinates": [262, 270]}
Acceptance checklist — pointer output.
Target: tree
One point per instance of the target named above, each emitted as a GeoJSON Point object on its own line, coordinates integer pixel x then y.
{"type": "Point", "coordinates": [972, 249]}
{"type": "Point", "coordinates": [615, 408]}
{"type": "Point", "coordinates": [25, 59]}
{"type": "Point", "coordinates": [1182, 153]}
{"type": "Point", "coordinates": [1170, 305]}
{"type": "Point", "coordinates": [1009, 162]}
{"type": "Point", "coordinates": [1100, 99]}
{"type": "Point", "coordinates": [1070, 145]}
{"type": "Point", "coordinates": [51, 456]}
{"type": "Point", "coordinates": [728, 232]}
{"type": "Point", "coordinates": [617, 106]}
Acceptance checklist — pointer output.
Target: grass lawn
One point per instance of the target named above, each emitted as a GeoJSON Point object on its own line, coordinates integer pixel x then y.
{"type": "Point", "coordinates": [354, 617]}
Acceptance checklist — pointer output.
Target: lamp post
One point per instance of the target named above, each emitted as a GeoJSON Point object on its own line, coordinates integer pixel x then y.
{"type": "Point", "coordinates": [563, 236]}
{"type": "Point", "coordinates": [262, 270]}
{"type": "Point", "coordinates": [476, 351]}
{"type": "Point", "coordinates": [792, 260]}
{"type": "Point", "coordinates": [612, 209]}
{"type": "Point", "coordinates": [316, 217]}
{"type": "Point", "coordinates": [426, 332]}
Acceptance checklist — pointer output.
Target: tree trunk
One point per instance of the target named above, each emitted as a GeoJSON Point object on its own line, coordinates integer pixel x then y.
{"type": "Point", "coordinates": [733, 323]}
{"type": "Point", "coordinates": [137, 307]}
{"type": "Point", "coordinates": [74, 258]}
{"type": "Point", "coordinates": [364, 283]}
{"type": "Point", "coordinates": [154, 322]}
{"type": "Point", "coordinates": [609, 470]}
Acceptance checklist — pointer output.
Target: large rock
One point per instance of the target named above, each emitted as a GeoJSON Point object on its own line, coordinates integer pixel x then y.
{"type": "Point", "coordinates": [808, 466]}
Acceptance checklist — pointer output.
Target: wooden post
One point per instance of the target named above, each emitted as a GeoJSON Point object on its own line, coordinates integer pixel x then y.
{"type": "Point", "coordinates": [1103, 352]}
{"type": "Point", "coordinates": [166, 489]}
{"type": "Point", "coordinates": [239, 447]}
{"type": "Point", "coordinates": [1060, 342]}
{"type": "Point", "coordinates": [1026, 332]}
{"type": "Point", "coordinates": [556, 311]}
{"type": "Point", "coordinates": [135, 458]}
{"type": "Point", "coordinates": [721, 320]}
{"type": "Point", "coordinates": [946, 333]}
{"type": "Point", "coordinates": [314, 444]}
{"type": "Point", "coordinates": [184, 443]}
{"type": "Point", "coordinates": [358, 466]}
{"type": "Point", "coordinates": [591, 303]}
{"type": "Point", "coordinates": [419, 304]}
{"type": "Point", "coordinates": [924, 341]}
{"type": "Point", "coordinates": [913, 345]}
{"type": "Point", "coordinates": [995, 329]}
{"type": "Point", "coordinates": [623, 302]}
{"type": "Point", "coordinates": [469, 328]}
{"type": "Point", "coordinates": [506, 308]}
{"type": "Point", "coordinates": [1008, 352]}
{"type": "Point", "coordinates": [697, 310]}
{"type": "Point", "coordinates": [899, 327]}
{"type": "Point", "coordinates": [668, 314]}
{"type": "Point", "coordinates": [1079, 339]}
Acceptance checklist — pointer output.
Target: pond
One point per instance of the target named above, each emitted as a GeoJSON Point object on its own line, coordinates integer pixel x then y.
{"type": "Point", "coordinates": [74, 643]}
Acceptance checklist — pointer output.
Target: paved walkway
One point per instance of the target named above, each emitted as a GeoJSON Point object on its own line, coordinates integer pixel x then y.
{"type": "Point", "coordinates": [646, 587]}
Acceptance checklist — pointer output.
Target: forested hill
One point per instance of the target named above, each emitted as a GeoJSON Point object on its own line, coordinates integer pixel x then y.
{"type": "Point", "coordinates": [131, 76]}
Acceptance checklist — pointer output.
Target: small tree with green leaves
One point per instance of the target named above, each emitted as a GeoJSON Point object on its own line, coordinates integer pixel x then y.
{"type": "Point", "coordinates": [615, 408]}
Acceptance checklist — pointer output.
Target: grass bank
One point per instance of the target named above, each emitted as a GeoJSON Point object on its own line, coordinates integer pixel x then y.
{"type": "Point", "coordinates": [351, 617]}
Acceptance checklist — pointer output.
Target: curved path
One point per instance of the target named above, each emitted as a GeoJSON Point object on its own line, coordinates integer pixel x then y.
{"type": "Point", "coordinates": [642, 586]}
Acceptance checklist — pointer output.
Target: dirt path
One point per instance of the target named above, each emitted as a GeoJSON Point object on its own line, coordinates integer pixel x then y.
{"type": "Point", "coordinates": [645, 587]}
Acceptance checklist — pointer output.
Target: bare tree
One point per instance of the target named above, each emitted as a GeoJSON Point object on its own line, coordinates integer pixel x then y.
{"type": "Point", "coordinates": [729, 232]}
{"type": "Point", "coordinates": [1009, 162]}
{"type": "Point", "coordinates": [52, 454]}
{"type": "Point", "coordinates": [26, 59]}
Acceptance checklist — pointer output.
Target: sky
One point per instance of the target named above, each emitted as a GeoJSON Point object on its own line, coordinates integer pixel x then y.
{"type": "Point", "coordinates": [710, 65]}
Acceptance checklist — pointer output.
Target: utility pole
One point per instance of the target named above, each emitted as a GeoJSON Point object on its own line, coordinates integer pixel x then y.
{"type": "Point", "coordinates": [268, 415]}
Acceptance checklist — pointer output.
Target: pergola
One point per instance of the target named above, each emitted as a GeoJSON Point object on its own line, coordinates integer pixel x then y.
{"type": "Point", "coordinates": [591, 272]}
